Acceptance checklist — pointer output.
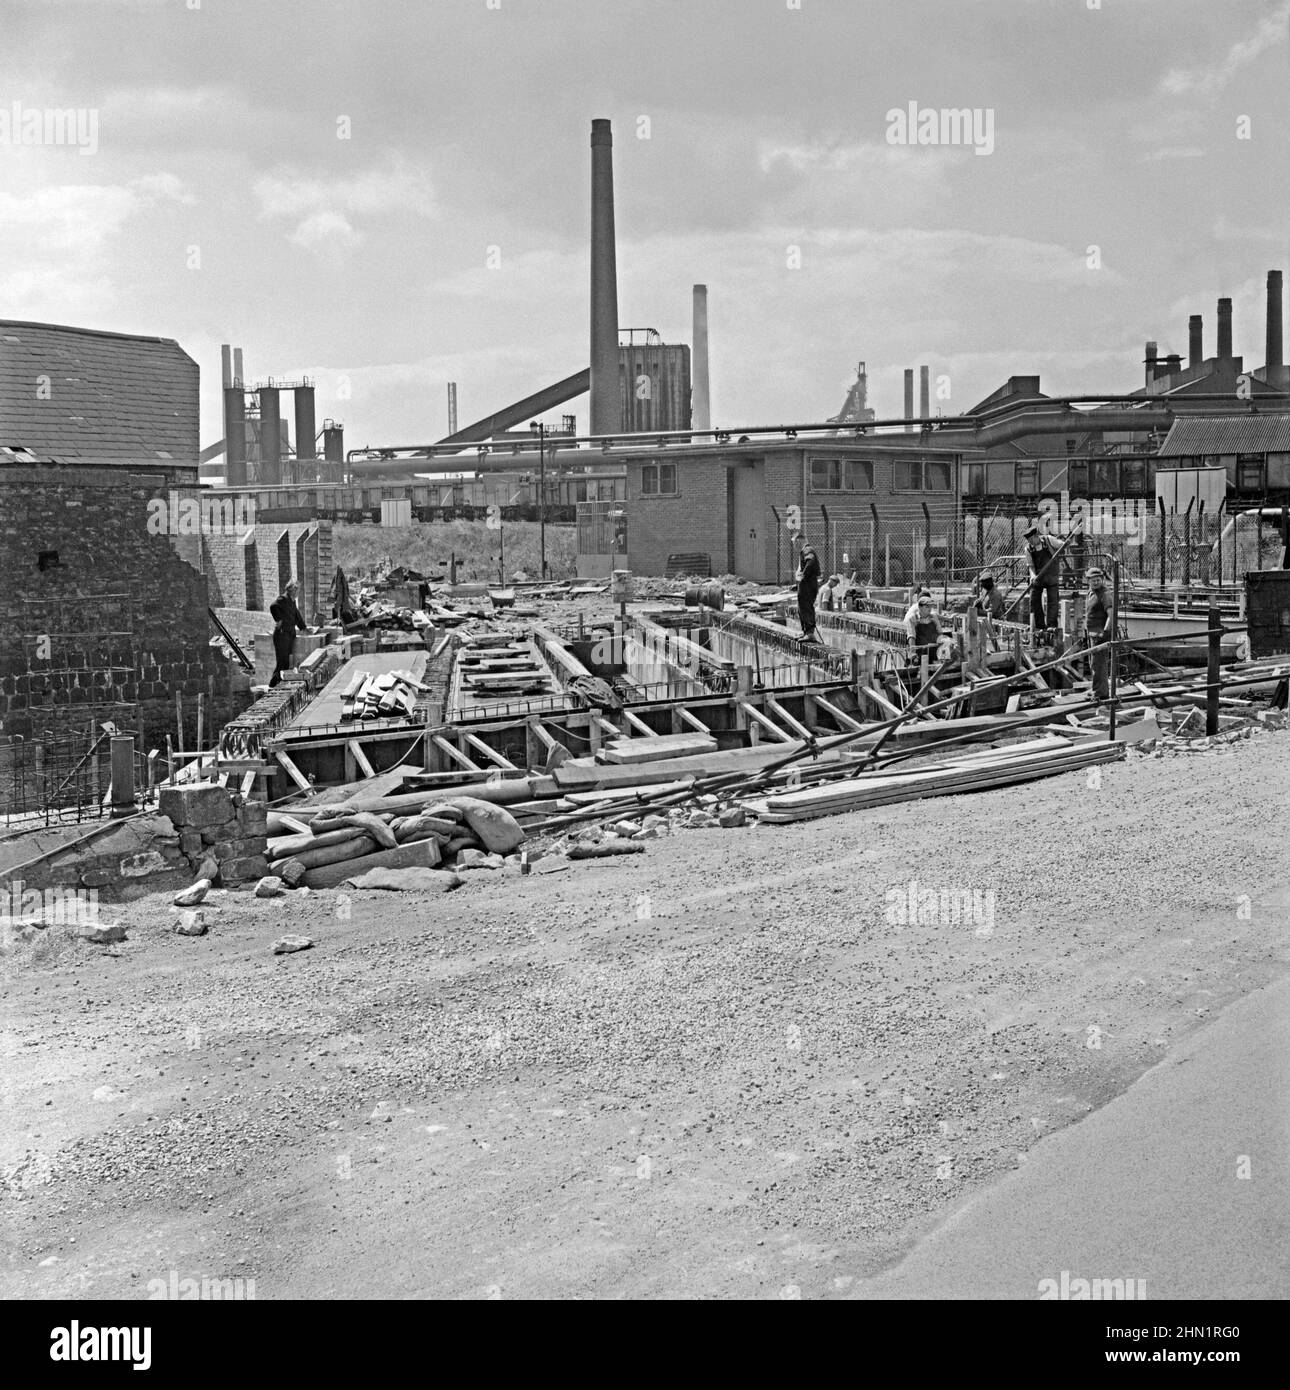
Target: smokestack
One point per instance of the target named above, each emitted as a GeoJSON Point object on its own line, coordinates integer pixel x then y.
{"type": "Point", "coordinates": [1173, 364]}
{"type": "Point", "coordinates": [1195, 340]}
{"type": "Point", "coordinates": [1150, 361]}
{"type": "Point", "coordinates": [1224, 330]}
{"type": "Point", "coordinates": [606, 403]}
{"type": "Point", "coordinates": [909, 396]}
{"type": "Point", "coordinates": [452, 407]}
{"type": "Point", "coordinates": [700, 408]}
{"type": "Point", "coordinates": [270, 436]}
{"type": "Point", "coordinates": [924, 393]}
{"type": "Point", "coordinates": [234, 437]}
{"type": "Point", "coordinates": [306, 423]}
{"type": "Point", "coordinates": [238, 378]}
{"type": "Point", "coordinates": [862, 391]}
{"type": "Point", "coordinates": [226, 365]}
{"type": "Point", "coordinates": [1275, 372]}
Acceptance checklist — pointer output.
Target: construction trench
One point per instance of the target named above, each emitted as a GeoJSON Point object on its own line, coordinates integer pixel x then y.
{"type": "Point", "coordinates": [636, 946]}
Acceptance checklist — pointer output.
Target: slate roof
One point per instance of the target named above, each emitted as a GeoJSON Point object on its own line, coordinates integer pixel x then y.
{"type": "Point", "coordinates": [112, 397]}
{"type": "Point", "coordinates": [1240, 434]}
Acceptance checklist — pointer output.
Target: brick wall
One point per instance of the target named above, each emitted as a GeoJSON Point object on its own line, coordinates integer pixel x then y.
{"type": "Point", "coordinates": [692, 521]}
{"type": "Point", "coordinates": [246, 571]}
{"type": "Point", "coordinates": [118, 626]}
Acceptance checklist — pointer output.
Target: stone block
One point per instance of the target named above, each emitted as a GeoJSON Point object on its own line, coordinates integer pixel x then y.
{"type": "Point", "coordinates": [202, 803]}
{"type": "Point", "coordinates": [243, 870]}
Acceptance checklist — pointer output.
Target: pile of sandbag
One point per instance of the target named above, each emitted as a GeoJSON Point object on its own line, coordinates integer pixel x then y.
{"type": "Point", "coordinates": [344, 841]}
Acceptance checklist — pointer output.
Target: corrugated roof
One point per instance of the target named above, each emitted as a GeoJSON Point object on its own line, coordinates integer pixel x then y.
{"type": "Point", "coordinates": [1241, 434]}
{"type": "Point", "coordinates": [111, 397]}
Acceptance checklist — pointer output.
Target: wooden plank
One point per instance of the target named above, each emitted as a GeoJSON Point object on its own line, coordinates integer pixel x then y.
{"type": "Point", "coordinates": [491, 754]}
{"type": "Point", "coordinates": [769, 725]}
{"type": "Point", "coordinates": [606, 727]}
{"type": "Point", "coordinates": [455, 754]}
{"type": "Point", "coordinates": [248, 784]}
{"type": "Point", "coordinates": [841, 716]}
{"type": "Point", "coordinates": [693, 721]}
{"type": "Point", "coordinates": [882, 701]}
{"type": "Point", "coordinates": [360, 758]}
{"type": "Point", "coordinates": [637, 750]}
{"type": "Point", "coordinates": [639, 724]}
{"type": "Point", "coordinates": [293, 771]}
{"type": "Point", "coordinates": [796, 725]}
{"type": "Point", "coordinates": [548, 741]}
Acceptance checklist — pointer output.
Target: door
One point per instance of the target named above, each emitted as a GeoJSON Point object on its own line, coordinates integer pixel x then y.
{"type": "Point", "coordinates": [746, 519]}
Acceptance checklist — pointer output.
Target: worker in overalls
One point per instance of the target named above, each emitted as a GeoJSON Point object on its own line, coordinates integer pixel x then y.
{"type": "Point", "coordinates": [1045, 580]}
{"type": "Point", "coordinates": [989, 601]}
{"type": "Point", "coordinates": [1097, 629]}
{"type": "Point", "coordinates": [808, 588]}
{"type": "Point", "coordinates": [923, 627]}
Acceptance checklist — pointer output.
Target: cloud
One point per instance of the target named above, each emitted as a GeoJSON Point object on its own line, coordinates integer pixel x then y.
{"type": "Point", "coordinates": [1208, 82]}
{"type": "Point", "coordinates": [323, 209]}
{"type": "Point", "coordinates": [56, 243]}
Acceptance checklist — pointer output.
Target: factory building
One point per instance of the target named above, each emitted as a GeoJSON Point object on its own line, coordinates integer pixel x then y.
{"type": "Point", "coordinates": [654, 383]}
{"type": "Point", "coordinates": [734, 508]}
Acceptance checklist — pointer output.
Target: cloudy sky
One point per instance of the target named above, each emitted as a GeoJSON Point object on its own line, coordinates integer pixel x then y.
{"type": "Point", "coordinates": [325, 182]}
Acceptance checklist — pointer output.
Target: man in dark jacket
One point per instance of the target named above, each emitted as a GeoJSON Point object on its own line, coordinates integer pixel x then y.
{"type": "Point", "coordinates": [808, 587]}
{"type": "Point", "coordinates": [1045, 578]}
{"type": "Point", "coordinates": [287, 619]}
{"type": "Point", "coordinates": [1097, 622]}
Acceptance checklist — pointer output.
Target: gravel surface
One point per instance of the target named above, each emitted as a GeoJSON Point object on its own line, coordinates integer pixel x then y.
{"type": "Point", "coordinates": [724, 1067]}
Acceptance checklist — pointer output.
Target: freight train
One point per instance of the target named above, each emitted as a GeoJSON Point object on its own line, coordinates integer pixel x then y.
{"type": "Point", "coordinates": [440, 499]}
{"type": "Point", "coordinates": [1252, 480]}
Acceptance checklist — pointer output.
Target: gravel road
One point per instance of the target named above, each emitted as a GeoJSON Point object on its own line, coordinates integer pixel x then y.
{"type": "Point", "coordinates": [724, 1068]}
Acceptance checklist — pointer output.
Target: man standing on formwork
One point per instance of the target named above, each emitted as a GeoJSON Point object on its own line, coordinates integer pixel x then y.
{"type": "Point", "coordinates": [1045, 579]}
{"type": "Point", "coordinates": [808, 588]}
{"type": "Point", "coordinates": [287, 618]}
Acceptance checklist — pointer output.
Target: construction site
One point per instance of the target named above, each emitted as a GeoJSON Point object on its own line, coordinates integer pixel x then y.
{"type": "Point", "coordinates": [657, 859]}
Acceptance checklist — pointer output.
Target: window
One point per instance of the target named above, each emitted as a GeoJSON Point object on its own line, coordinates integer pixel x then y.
{"type": "Point", "coordinates": [1027, 479]}
{"type": "Point", "coordinates": [658, 480]}
{"type": "Point", "coordinates": [919, 475]}
{"type": "Point", "coordinates": [1249, 472]}
{"type": "Point", "coordinates": [841, 475]}
{"type": "Point", "coordinates": [936, 476]}
{"type": "Point", "coordinates": [1133, 474]}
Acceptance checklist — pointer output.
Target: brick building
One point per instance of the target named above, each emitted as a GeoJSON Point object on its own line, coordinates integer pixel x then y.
{"type": "Point", "coordinates": [103, 609]}
{"type": "Point", "coordinates": [100, 617]}
{"type": "Point", "coordinates": [733, 504]}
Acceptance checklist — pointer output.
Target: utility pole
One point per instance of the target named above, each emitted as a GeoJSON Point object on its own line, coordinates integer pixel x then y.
{"type": "Point", "coordinates": [541, 434]}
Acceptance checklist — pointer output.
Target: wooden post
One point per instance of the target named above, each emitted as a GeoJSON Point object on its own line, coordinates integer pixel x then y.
{"type": "Point", "coordinates": [1211, 674]}
{"type": "Point", "coordinates": [179, 722]}
{"type": "Point", "coordinates": [1114, 654]}
{"type": "Point", "coordinates": [886, 549]}
{"type": "Point", "coordinates": [201, 710]}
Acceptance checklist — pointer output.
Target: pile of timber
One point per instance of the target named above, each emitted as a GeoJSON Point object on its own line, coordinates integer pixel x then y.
{"type": "Point", "coordinates": [499, 664]}
{"type": "Point", "coordinates": [329, 844]}
{"type": "Point", "coordinates": [388, 696]}
{"type": "Point", "coordinates": [995, 767]}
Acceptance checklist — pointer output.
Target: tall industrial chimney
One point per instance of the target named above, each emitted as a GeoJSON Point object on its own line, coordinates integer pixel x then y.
{"type": "Point", "coordinates": [606, 403]}
{"type": "Point", "coordinates": [238, 378]}
{"type": "Point", "coordinates": [924, 393]}
{"type": "Point", "coordinates": [700, 407]}
{"type": "Point", "coordinates": [452, 407]}
{"type": "Point", "coordinates": [909, 397]}
{"type": "Point", "coordinates": [862, 392]}
{"type": "Point", "coordinates": [1276, 373]}
{"type": "Point", "coordinates": [306, 424]}
{"type": "Point", "coordinates": [1195, 340]}
{"type": "Point", "coordinates": [1149, 360]}
{"type": "Point", "coordinates": [226, 364]}
{"type": "Point", "coordinates": [1224, 330]}
{"type": "Point", "coordinates": [270, 435]}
